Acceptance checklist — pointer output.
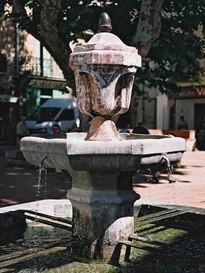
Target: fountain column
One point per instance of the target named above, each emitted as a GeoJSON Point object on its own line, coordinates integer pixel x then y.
{"type": "Point", "coordinates": [102, 200]}
{"type": "Point", "coordinates": [102, 195]}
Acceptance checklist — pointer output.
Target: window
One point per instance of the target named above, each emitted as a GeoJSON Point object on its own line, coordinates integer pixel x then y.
{"type": "Point", "coordinates": [67, 114]}
{"type": "Point", "coordinates": [48, 114]}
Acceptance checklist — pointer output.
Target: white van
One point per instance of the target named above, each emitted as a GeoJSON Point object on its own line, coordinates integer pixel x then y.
{"type": "Point", "coordinates": [61, 111]}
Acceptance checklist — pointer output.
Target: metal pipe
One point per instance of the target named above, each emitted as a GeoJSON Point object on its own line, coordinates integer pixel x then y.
{"type": "Point", "coordinates": [167, 161]}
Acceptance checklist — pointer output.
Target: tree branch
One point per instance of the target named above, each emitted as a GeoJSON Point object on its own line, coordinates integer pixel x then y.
{"type": "Point", "coordinates": [48, 29]}
{"type": "Point", "coordinates": [149, 25]}
{"type": "Point", "coordinates": [20, 15]}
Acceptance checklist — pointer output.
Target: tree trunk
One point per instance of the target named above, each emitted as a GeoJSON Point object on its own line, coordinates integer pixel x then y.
{"type": "Point", "coordinates": [149, 25]}
{"type": "Point", "coordinates": [50, 38]}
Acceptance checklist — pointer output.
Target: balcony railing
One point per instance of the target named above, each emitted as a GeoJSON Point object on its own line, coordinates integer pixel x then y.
{"type": "Point", "coordinates": [38, 68]}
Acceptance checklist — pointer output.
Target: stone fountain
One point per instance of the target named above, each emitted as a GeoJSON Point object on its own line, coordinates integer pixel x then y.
{"type": "Point", "coordinates": [102, 162]}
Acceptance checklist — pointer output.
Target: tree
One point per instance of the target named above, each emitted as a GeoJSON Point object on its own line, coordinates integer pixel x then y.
{"type": "Point", "coordinates": [165, 32]}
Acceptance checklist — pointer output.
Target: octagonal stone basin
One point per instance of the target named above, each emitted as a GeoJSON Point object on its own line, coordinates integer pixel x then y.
{"type": "Point", "coordinates": [126, 154]}
{"type": "Point", "coordinates": [102, 195]}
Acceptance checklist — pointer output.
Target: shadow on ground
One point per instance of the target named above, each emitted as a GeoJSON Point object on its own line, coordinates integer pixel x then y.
{"type": "Point", "coordinates": [19, 181]}
{"type": "Point", "coordinates": [176, 242]}
{"type": "Point", "coordinates": [148, 178]}
{"type": "Point", "coordinates": [20, 185]}
{"type": "Point", "coordinates": [169, 241]}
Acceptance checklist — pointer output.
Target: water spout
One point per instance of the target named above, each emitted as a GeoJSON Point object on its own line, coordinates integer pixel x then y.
{"type": "Point", "coordinates": [42, 176]}
{"type": "Point", "coordinates": [165, 160]}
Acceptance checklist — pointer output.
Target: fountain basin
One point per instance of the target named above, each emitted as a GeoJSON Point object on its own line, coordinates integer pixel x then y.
{"type": "Point", "coordinates": [126, 154]}
{"type": "Point", "coordinates": [101, 195]}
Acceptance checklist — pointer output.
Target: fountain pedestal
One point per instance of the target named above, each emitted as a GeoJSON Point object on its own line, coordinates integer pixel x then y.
{"type": "Point", "coordinates": [102, 209]}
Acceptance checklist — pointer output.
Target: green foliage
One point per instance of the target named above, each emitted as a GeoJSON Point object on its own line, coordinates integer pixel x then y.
{"type": "Point", "coordinates": [173, 57]}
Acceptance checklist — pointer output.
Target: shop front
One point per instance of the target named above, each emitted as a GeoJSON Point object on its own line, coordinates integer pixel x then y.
{"type": "Point", "coordinates": [190, 104]}
{"type": "Point", "coordinates": [37, 90]}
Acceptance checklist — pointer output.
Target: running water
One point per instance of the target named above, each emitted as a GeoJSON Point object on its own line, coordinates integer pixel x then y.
{"type": "Point", "coordinates": [42, 182]}
{"type": "Point", "coordinates": [42, 179]}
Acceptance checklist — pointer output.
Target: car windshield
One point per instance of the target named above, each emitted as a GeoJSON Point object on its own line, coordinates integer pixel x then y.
{"type": "Point", "coordinates": [67, 114]}
{"type": "Point", "coordinates": [48, 114]}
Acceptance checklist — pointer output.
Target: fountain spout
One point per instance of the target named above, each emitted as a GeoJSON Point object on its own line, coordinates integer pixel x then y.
{"type": "Point", "coordinates": [165, 159]}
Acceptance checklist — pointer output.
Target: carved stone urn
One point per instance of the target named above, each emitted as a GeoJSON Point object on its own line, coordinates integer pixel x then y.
{"type": "Point", "coordinates": [104, 72]}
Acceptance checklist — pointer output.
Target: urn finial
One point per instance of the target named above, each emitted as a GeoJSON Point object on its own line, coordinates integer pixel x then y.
{"type": "Point", "coordinates": [105, 23]}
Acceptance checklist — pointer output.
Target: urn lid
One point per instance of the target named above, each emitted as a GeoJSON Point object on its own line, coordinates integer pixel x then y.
{"type": "Point", "coordinates": [104, 48]}
{"type": "Point", "coordinates": [105, 41]}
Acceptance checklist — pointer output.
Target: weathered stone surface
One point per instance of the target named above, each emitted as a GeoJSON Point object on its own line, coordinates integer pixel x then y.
{"type": "Point", "coordinates": [102, 195]}
{"type": "Point", "coordinates": [102, 208]}
{"type": "Point", "coordinates": [104, 71]}
{"type": "Point", "coordinates": [114, 154]}
{"type": "Point", "coordinates": [102, 129]}
{"type": "Point", "coordinates": [105, 48]}
{"type": "Point", "coordinates": [58, 150]}
{"type": "Point", "coordinates": [99, 228]}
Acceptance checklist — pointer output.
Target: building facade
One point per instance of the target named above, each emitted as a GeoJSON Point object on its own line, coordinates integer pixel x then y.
{"type": "Point", "coordinates": [190, 103]}
{"type": "Point", "coordinates": [157, 110]}
{"type": "Point", "coordinates": [28, 77]}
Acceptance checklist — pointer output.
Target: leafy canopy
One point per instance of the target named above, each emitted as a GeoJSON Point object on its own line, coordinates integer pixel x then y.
{"type": "Point", "coordinates": [173, 56]}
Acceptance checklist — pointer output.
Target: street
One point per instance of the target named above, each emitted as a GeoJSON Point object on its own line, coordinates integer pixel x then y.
{"type": "Point", "coordinates": [19, 184]}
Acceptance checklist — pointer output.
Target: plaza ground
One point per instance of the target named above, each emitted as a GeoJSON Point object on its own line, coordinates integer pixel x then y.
{"type": "Point", "coordinates": [188, 190]}
{"type": "Point", "coordinates": [19, 184]}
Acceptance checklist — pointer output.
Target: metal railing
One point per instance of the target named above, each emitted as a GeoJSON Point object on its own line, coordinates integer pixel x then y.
{"type": "Point", "coordinates": [38, 67]}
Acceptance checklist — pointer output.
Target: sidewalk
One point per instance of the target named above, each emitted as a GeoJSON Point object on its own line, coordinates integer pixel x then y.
{"type": "Point", "coordinates": [188, 190]}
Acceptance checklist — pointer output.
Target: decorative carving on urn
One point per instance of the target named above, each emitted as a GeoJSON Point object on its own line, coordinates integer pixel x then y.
{"type": "Point", "coordinates": [104, 72]}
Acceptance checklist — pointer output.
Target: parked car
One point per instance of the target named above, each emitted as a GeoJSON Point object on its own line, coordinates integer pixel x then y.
{"type": "Point", "coordinates": [61, 111]}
